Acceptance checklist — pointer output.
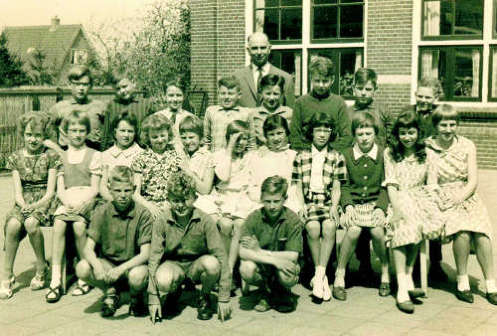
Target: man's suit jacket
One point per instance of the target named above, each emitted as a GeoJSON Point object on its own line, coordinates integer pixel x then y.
{"type": "Point", "coordinates": [249, 93]}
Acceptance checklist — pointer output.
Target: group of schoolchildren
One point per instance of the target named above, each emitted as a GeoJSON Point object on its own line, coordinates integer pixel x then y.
{"type": "Point", "coordinates": [175, 201]}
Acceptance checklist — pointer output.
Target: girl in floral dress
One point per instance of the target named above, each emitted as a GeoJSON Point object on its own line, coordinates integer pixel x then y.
{"type": "Point", "coordinates": [34, 169]}
{"type": "Point", "coordinates": [153, 167]}
{"type": "Point", "coordinates": [466, 216]}
{"type": "Point", "coordinates": [413, 214]}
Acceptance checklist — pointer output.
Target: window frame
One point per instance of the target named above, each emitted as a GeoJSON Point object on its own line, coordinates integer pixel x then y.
{"type": "Point", "coordinates": [451, 37]}
{"type": "Point", "coordinates": [74, 51]}
{"type": "Point", "coordinates": [451, 49]}
{"type": "Point", "coordinates": [337, 39]}
{"type": "Point", "coordinates": [491, 48]}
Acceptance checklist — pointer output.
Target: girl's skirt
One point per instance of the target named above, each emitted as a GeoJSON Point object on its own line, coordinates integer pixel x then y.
{"type": "Point", "coordinates": [364, 217]}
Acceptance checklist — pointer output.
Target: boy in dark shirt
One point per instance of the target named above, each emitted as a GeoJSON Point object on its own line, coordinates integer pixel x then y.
{"type": "Point", "coordinates": [186, 243]}
{"type": "Point", "coordinates": [118, 245]}
{"type": "Point", "coordinates": [270, 245]}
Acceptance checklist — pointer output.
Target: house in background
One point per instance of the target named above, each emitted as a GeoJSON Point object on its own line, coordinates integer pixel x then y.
{"type": "Point", "coordinates": [61, 46]}
{"type": "Point", "coordinates": [402, 40]}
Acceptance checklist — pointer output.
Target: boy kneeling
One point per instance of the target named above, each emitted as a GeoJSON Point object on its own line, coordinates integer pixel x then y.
{"type": "Point", "coordinates": [121, 231]}
{"type": "Point", "coordinates": [187, 244]}
{"type": "Point", "coordinates": [270, 245]}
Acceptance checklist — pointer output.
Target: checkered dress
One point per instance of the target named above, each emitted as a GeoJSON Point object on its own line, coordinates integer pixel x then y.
{"type": "Point", "coordinates": [318, 204]}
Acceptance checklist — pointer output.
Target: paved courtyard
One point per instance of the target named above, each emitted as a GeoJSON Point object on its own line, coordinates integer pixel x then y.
{"type": "Point", "coordinates": [364, 313]}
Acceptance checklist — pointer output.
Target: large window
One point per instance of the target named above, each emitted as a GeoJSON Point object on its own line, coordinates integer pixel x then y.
{"type": "Point", "coordinates": [457, 68]}
{"type": "Point", "coordinates": [337, 19]}
{"type": "Point", "coordinates": [281, 20]}
{"type": "Point", "coordinates": [452, 19]}
{"type": "Point", "coordinates": [300, 29]}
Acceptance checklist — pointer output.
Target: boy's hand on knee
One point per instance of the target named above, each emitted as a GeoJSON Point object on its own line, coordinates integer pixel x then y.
{"type": "Point", "coordinates": [113, 274]}
{"type": "Point", "coordinates": [286, 266]}
{"type": "Point", "coordinates": [224, 311]}
{"type": "Point", "coordinates": [99, 272]}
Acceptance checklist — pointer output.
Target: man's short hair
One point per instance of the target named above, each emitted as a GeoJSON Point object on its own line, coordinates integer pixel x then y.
{"type": "Point", "coordinates": [121, 174]}
{"type": "Point", "coordinates": [274, 185]}
{"type": "Point", "coordinates": [362, 120]}
{"type": "Point", "coordinates": [79, 71]}
{"type": "Point", "coordinates": [181, 186]}
{"type": "Point", "coordinates": [322, 66]}
{"type": "Point", "coordinates": [229, 82]}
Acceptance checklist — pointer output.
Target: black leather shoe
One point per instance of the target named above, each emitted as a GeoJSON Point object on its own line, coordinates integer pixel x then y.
{"type": "Point", "coordinates": [416, 293]}
{"type": "Point", "coordinates": [492, 298]}
{"type": "Point", "coordinates": [339, 293]}
{"type": "Point", "coordinates": [384, 289]}
{"type": "Point", "coordinates": [204, 310]}
{"type": "Point", "coordinates": [465, 296]}
{"type": "Point", "coordinates": [137, 307]}
{"type": "Point", "coordinates": [405, 307]}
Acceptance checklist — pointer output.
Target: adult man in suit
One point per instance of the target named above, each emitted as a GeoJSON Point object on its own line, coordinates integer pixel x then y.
{"type": "Point", "coordinates": [259, 48]}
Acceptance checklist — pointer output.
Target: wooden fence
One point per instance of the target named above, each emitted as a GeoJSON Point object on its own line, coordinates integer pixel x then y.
{"type": "Point", "coordinates": [15, 102]}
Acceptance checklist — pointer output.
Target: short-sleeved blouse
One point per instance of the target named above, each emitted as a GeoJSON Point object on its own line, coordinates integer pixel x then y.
{"type": "Point", "coordinates": [117, 157]}
{"type": "Point", "coordinates": [155, 170]}
{"type": "Point", "coordinates": [33, 169]}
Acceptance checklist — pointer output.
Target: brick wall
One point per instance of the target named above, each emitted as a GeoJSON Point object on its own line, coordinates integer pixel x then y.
{"type": "Point", "coordinates": [218, 40]}
{"type": "Point", "coordinates": [389, 47]}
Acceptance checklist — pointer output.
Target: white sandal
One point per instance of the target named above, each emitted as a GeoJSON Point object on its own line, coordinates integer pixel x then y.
{"type": "Point", "coordinates": [39, 280]}
{"type": "Point", "coordinates": [6, 288]}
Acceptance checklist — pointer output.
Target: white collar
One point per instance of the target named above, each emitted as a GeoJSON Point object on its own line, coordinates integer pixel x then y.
{"type": "Point", "coordinates": [72, 150]}
{"type": "Point", "coordinates": [316, 152]}
{"type": "Point", "coordinates": [133, 149]}
{"type": "Point", "coordinates": [373, 153]}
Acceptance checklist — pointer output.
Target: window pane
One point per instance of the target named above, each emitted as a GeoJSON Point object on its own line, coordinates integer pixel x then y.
{"type": "Point", "coordinates": [266, 20]}
{"type": "Point", "coordinates": [493, 73]}
{"type": "Point", "coordinates": [351, 1]}
{"type": "Point", "coordinates": [324, 2]}
{"type": "Point", "coordinates": [450, 17]}
{"type": "Point", "coordinates": [351, 18]}
{"type": "Point", "coordinates": [467, 76]}
{"type": "Point", "coordinates": [291, 24]}
{"type": "Point", "coordinates": [266, 3]}
{"type": "Point", "coordinates": [325, 22]}
{"type": "Point", "coordinates": [469, 17]}
{"type": "Point", "coordinates": [291, 62]}
{"type": "Point", "coordinates": [350, 61]}
{"type": "Point", "coordinates": [291, 3]}
{"type": "Point", "coordinates": [434, 64]}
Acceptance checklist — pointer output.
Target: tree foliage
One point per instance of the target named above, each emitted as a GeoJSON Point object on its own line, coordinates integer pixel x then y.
{"type": "Point", "coordinates": [39, 71]}
{"type": "Point", "coordinates": [157, 50]}
{"type": "Point", "coordinates": [11, 72]}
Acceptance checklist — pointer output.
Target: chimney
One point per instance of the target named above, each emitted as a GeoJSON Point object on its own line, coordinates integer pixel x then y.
{"type": "Point", "coordinates": [55, 22]}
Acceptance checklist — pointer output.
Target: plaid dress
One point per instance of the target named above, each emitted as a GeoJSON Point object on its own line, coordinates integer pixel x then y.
{"type": "Point", "coordinates": [318, 204]}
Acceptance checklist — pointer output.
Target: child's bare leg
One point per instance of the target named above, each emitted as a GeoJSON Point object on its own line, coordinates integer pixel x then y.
{"type": "Point", "coordinates": [485, 259]}
{"type": "Point", "coordinates": [59, 245]}
{"type": "Point", "coordinates": [460, 246]}
{"type": "Point", "coordinates": [378, 236]}
{"type": "Point", "coordinates": [348, 247]}
{"type": "Point", "coordinates": [235, 242]}
{"type": "Point", "coordinates": [411, 255]}
{"type": "Point", "coordinates": [32, 226]}
{"type": "Point", "coordinates": [313, 238]}
{"type": "Point", "coordinates": [80, 235]}
{"type": "Point", "coordinates": [12, 239]}
{"type": "Point", "coordinates": [226, 229]}
{"type": "Point", "coordinates": [327, 243]}
{"type": "Point", "coordinates": [399, 258]}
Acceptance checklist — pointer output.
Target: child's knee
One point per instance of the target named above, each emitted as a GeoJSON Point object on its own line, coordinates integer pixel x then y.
{"type": "Point", "coordinates": [83, 270]}
{"type": "Point", "coordinates": [13, 228]}
{"type": "Point", "coordinates": [210, 265]}
{"type": "Point", "coordinates": [378, 233]}
{"type": "Point", "coordinates": [289, 281]}
{"type": "Point", "coordinates": [79, 229]}
{"type": "Point", "coordinates": [137, 277]}
{"type": "Point", "coordinates": [32, 225]}
{"type": "Point", "coordinates": [248, 270]}
{"type": "Point", "coordinates": [167, 280]}
{"type": "Point", "coordinates": [59, 227]}
{"type": "Point", "coordinates": [313, 229]}
{"type": "Point", "coordinates": [225, 226]}
{"type": "Point", "coordinates": [329, 229]}
{"type": "Point", "coordinates": [354, 232]}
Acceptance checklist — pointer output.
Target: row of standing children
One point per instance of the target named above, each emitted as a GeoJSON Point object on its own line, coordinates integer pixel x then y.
{"type": "Point", "coordinates": [338, 177]}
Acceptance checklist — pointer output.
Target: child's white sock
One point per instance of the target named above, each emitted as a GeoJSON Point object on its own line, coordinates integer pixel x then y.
{"type": "Point", "coordinates": [490, 284]}
{"type": "Point", "coordinates": [339, 278]}
{"type": "Point", "coordinates": [463, 283]}
{"type": "Point", "coordinates": [402, 295]}
{"type": "Point", "coordinates": [409, 282]}
{"type": "Point", "coordinates": [320, 272]}
{"type": "Point", "coordinates": [385, 276]}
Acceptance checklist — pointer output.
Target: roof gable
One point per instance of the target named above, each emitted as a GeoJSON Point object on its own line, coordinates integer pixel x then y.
{"type": "Point", "coordinates": [55, 45]}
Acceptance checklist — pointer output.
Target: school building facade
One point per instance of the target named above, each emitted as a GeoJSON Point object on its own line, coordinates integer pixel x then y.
{"type": "Point", "coordinates": [402, 40]}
